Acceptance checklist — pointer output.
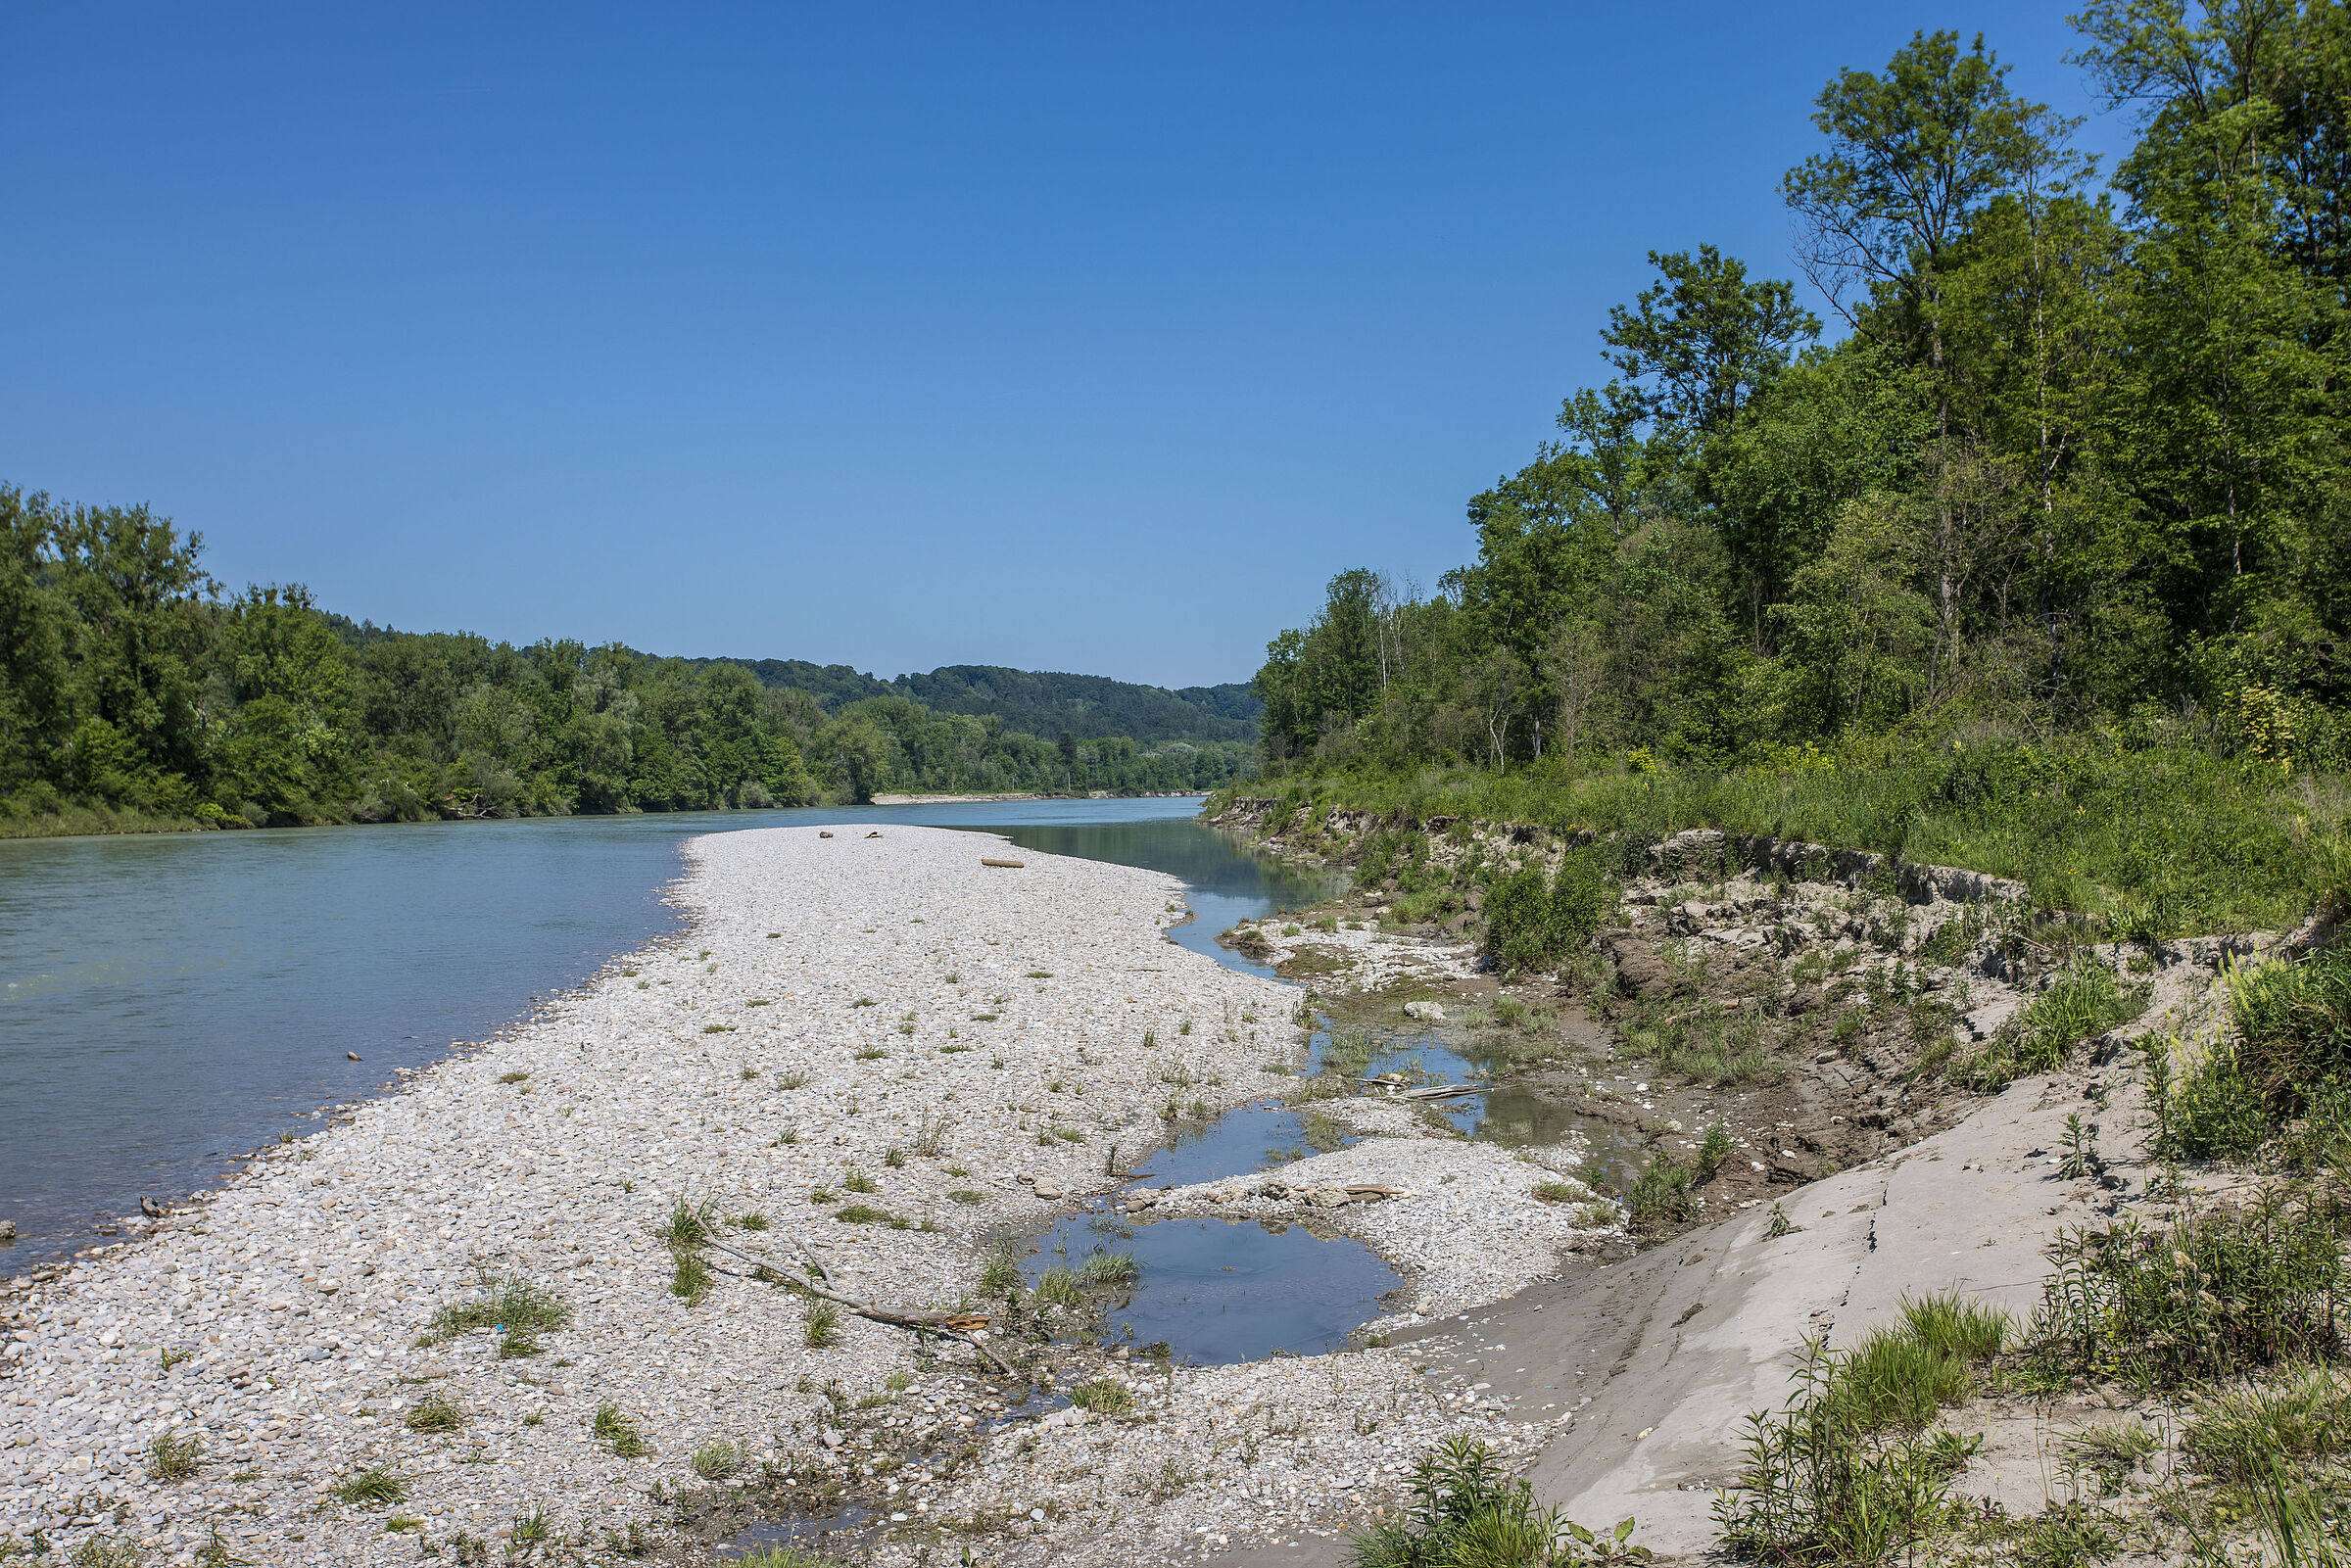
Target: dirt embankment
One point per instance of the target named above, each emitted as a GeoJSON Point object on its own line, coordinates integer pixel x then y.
{"type": "Point", "coordinates": [1896, 1055]}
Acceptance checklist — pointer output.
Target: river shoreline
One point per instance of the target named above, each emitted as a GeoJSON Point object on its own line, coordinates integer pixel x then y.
{"type": "Point", "coordinates": [835, 998]}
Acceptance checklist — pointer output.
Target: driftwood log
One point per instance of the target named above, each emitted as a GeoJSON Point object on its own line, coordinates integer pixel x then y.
{"type": "Point", "coordinates": [964, 1326]}
{"type": "Point", "coordinates": [1008, 865]}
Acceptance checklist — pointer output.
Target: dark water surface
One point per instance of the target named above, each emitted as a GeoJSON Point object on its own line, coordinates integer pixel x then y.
{"type": "Point", "coordinates": [169, 1001]}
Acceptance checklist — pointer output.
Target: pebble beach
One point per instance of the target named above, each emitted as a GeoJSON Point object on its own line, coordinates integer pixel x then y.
{"type": "Point", "coordinates": [856, 1014]}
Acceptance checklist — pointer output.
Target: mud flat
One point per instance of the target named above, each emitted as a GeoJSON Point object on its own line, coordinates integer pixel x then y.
{"type": "Point", "coordinates": [942, 1049]}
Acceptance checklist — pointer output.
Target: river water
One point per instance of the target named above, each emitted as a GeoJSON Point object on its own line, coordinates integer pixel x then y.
{"type": "Point", "coordinates": [167, 1002]}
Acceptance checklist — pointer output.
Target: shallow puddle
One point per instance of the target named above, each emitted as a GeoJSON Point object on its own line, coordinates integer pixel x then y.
{"type": "Point", "coordinates": [1220, 1291]}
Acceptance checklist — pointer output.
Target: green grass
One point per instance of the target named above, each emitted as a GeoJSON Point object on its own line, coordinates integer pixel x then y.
{"type": "Point", "coordinates": [2151, 842]}
{"type": "Point", "coordinates": [2086, 998]}
{"type": "Point", "coordinates": [715, 1462]}
{"type": "Point", "coordinates": [964, 1195]}
{"type": "Point", "coordinates": [617, 1430]}
{"type": "Point", "coordinates": [866, 1215]}
{"type": "Point", "coordinates": [175, 1456]}
{"type": "Point", "coordinates": [505, 1300]}
{"type": "Point", "coordinates": [823, 1329]}
{"type": "Point", "coordinates": [1002, 1271]}
{"type": "Point", "coordinates": [690, 1279]}
{"type": "Point", "coordinates": [377, 1486]}
{"type": "Point", "coordinates": [435, 1412]}
{"type": "Point", "coordinates": [1101, 1396]}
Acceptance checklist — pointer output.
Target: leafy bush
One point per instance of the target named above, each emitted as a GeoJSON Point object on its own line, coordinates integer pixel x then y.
{"type": "Point", "coordinates": [1824, 1482]}
{"type": "Point", "coordinates": [1531, 926]}
{"type": "Point", "coordinates": [1466, 1512]}
{"type": "Point", "coordinates": [2222, 1291]}
{"type": "Point", "coordinates": [2288, 1058]}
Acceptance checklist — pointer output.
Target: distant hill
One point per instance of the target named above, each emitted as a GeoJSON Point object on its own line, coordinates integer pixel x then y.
{"type": "Point", "coordinates": [1039, 702]}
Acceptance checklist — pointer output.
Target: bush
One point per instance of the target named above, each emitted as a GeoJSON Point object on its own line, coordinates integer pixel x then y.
{"type": "Point", "coordinates": [1466, 1512]}
{"type": "Point", "coordinates": [2288, 1058]}
{"type": "Point", "coordinates": [2221, 1292]}
{"type": "Point", "coordinates": [1533, 927]}
{"type": "Point", "coordinates": [1822, 1482]}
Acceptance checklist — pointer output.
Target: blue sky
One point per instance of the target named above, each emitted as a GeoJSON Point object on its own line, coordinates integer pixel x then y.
{"type": "Point", "coordinates": [1087, 338]}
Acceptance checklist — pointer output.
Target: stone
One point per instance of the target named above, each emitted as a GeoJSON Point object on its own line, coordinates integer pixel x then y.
{"type": "Point", "coordinates": [1426, 1012]}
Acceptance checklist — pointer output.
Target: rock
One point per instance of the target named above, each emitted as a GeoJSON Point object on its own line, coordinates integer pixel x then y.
{"type": "Point", "coordinates": [1426, 1012]}
{"type": "Point", "coordinates": [1328, 1196]}
{"type": "Point", "coordinates": [8, 1230]}
{"type": "Point", "coordinates": [354, 1055]}
{"type": "Point", "coordinates": [1048, 1190]}
{"type": "Point", "coordinates": [825, 835]}
{"type": "Point", "coordinates": [1640, 973]}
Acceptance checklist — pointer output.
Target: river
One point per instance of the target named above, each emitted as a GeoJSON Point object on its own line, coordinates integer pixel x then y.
{"type": "Point", "coordinates": [167, 1002]}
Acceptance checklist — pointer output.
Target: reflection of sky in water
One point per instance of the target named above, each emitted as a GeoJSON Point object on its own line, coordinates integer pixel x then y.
{"type": "Point", "coordinates": [1219, 1291]}
{"type": "Point", "coordinates": [169, 1000]}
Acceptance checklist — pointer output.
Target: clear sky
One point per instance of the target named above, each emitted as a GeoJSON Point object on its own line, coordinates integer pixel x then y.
{"type": "Point", "coordinates": [1079, 337]}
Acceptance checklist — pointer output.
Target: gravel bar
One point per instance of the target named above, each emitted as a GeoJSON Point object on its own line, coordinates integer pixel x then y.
{"type": "Point", "coordinates": [854, 1002]}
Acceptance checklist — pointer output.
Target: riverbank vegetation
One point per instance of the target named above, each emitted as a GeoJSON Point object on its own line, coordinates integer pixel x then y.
{"type": "Point", "coordinates": [2041, 566]}
{"type": "Point", "coordinates": [135, 694]}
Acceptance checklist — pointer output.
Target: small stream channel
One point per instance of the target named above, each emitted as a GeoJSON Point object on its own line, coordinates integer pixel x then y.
{"type": "Point", "coordinates": [1215, 1291]}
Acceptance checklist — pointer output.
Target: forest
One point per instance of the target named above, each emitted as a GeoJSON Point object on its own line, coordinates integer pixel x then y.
{"type": "Point", "coordinates": [2031, 552]}
{"type": "Point", "coordinates": [2066, 457]}
{"type": "Point", "coordinates": [135, 692]}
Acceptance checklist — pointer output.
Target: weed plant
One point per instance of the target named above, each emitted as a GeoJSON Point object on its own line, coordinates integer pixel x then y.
{"type": "Point", "coordinates": [374, 1486]}
{"type": "Point", "coordinates": [435, 1412]}
{"type": "Point", "coordinates": [618, 1432]}
{"type": "Point", "coordinates": [2222, 1291]}
{"type": "Point", "coordinates": [2088, 998]}
{"type": "Point", "coordinates": [505, 1300]}
{"type": "Point", "coordinates": [823, 1329]}
{"type": "Point", "coordinates": [173, 1455]}
{"type": "Point", "coordinates": [1101, 1396]}
{"type": "Point", "coordinates": [1467, 1512]}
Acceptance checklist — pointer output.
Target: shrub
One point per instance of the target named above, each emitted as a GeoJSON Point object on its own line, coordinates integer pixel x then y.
{"type": "Point", "coordinates": [2288, 1058]}
{"type": "Point", "coordinates": [1466, 1512]}
{"type": "Point", "coordinates": [1530, 926]}
{"type": "Point", "coordinates": [1820, 1483]}
{"type": "Point", "coordinates": [2222, 1291]}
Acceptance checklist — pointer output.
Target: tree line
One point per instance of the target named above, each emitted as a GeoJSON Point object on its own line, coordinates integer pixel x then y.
{"type": "Point", "coordinates": [2075, 462]}
{"type": "Point", "coordinates": [134, 688]}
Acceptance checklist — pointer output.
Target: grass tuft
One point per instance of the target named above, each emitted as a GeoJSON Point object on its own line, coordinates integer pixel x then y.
{"type": "Point", "coordinates": [376, 1486]}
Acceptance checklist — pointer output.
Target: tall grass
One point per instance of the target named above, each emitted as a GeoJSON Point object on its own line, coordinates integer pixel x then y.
{"type": "Point", "coordinates": [2160, 842]}
{"type": "Point", "coordinates": [1849, 1471]}
{"type": "Point", "coordinates": [2288, 1057]}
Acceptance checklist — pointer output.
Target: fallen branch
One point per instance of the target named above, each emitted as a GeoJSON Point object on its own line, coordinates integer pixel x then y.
{"type": "Point", "coordinates": [945, 1325]}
